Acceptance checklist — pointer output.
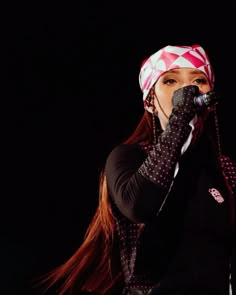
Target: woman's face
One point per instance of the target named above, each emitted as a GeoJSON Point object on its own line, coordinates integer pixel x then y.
{"type": "Point", "coordinates": [171, 81]}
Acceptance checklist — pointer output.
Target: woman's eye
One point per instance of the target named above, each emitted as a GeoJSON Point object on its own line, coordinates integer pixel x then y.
{"type": "Point", "coordinates": [169, 81]}
{"type": "Point", "coordinates": [201, 81]}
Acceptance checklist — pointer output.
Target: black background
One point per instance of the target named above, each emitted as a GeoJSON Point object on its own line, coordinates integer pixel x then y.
{"type": "Point", "coordinates": [70, 92]}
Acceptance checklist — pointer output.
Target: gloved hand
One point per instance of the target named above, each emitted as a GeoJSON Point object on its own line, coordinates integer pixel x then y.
{"type": "Point", "coordinates": [159, 166]}
{"type": "Point", "coordinates": [183, 102]}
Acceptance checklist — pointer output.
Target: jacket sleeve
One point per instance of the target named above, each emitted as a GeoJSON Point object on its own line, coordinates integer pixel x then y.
{"type": "Point", "coordinates": [136, 197]}
{"type": "Point", "coordinates": [138, 183]}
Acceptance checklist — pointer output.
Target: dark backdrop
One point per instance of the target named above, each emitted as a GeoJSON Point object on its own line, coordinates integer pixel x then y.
{"type": "Point", "coordinates": [70, 92]}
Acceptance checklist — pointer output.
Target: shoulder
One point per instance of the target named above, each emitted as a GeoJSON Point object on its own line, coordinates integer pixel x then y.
{"type": "Point", "coordinates": [125, 157]}
{"type": "Point", "coordinates": [123, 151]}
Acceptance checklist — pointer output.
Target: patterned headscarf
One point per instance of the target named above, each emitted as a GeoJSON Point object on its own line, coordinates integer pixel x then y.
{"type": "Point", "coordinates": [173, 57]}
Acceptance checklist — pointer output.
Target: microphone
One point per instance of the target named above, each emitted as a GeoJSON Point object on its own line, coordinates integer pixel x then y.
{"type": "Point", "coordinates": [205, 99]}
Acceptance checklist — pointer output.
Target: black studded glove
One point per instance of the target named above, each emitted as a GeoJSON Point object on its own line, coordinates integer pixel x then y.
{"type": "Point", "coordinates": [184, 107]}
{"type": "Point", "coordinates": [159, 166]}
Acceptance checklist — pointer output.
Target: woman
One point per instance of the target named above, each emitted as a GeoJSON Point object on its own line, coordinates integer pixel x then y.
{"type": "Point", "coordinates": [165, 223]}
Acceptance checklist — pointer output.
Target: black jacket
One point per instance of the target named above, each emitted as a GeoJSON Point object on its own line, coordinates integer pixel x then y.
{"type": "Point", "coordinates": [187, 240]}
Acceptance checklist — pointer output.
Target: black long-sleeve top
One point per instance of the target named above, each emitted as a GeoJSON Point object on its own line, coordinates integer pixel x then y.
{"type": "Point", "coordinates": [187, 241]}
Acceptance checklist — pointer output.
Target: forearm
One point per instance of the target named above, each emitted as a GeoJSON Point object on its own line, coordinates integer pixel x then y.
{"type": "Point", "coordinates": [138, 198]}
{"type": "Point", "coordinates": [139, 186]}
{"type": "Point", "coordinates": [159, 167]}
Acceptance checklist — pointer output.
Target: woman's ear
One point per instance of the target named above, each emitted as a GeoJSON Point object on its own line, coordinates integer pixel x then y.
{"type": "Point", "coordinates": [152, 110]}
{"type": "Point", "coordinates": [150, 105]}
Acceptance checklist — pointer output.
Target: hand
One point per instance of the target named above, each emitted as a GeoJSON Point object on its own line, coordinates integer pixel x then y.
{"type": "Point", "coordinates": [184, 107]}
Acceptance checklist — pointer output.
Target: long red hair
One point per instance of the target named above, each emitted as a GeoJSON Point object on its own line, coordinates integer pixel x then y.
{"type": "Point", "coordinates": [92, 266]}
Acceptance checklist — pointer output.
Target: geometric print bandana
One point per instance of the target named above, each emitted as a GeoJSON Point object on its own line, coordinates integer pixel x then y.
{"type": "Point", "coordinates": [173, 57]}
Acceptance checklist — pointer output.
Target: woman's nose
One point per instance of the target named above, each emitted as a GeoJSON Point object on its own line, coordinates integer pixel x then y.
{"type": "Point", "coordinates": [187, 84]}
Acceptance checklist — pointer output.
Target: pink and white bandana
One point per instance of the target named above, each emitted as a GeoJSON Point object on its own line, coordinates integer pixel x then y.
{"type": "Point", "coordinates": [173, 57]}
